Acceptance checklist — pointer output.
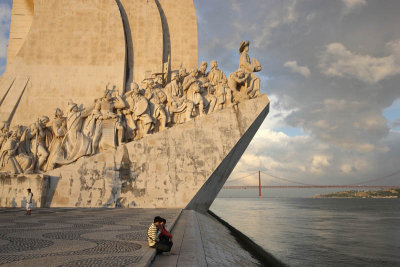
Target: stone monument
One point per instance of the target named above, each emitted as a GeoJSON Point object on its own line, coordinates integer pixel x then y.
{"type": "Point", "coordinates": [103, 104]}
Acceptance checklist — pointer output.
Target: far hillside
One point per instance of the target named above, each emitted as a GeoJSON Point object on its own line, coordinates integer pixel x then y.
{"type": "Point", "coordinates": [388, 193]}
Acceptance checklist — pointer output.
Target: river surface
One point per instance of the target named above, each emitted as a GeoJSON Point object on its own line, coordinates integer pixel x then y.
{"type": "Point", "coordinates": [319, 232]}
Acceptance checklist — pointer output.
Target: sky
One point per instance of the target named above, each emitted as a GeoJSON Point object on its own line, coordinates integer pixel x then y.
{"type": "Point", "coordinates": [332, 72]}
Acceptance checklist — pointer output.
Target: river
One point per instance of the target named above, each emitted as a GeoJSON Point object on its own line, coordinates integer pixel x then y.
{"type": "Point", "coordinates": [319, 232]}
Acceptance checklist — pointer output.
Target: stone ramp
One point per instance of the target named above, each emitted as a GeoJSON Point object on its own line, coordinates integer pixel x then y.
{"type": "Point", "coordinates": [78, 237]}
{"type": "Point", "coordinates": [201, 240]}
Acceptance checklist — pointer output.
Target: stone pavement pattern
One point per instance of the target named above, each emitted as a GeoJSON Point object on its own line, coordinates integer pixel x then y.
{"type": "Point", "coordinates": [78, 237]}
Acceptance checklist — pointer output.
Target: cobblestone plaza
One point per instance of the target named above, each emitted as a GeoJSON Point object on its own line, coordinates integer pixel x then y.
{"type": "Point", "coordinates": [77, 237]}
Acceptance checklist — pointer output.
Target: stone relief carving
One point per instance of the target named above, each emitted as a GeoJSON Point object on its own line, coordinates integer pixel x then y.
{"type": "Point", "coordinates": [115, 119]}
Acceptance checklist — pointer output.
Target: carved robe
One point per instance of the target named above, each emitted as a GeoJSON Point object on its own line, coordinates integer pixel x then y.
{"type": "Point", "coordinates": [177, 104]}
{"type": "Point", "coordinates": [15, 156]}
{"type": "Point", "coordinates": [59, 129]}
{"type": "Point", "coordinates": [75, 144]}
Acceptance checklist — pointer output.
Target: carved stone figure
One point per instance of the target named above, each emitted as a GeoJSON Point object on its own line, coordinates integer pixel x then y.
{"type": "Point", "coordinates": [75, 143]}
{"type": "Point", "coordinates": [179, 108]}
{"type": "Point", "coordinates": [104, 125]}
{"type": "Point", "coordinates": [223, 94]}
{"type": "Point", "coordinates": [40, 139]}
{"type": "Point", "coordinates": [253, 81]}
{"type": "Point", "coordinates": [208, 89]}
{"type": "Point", "coordinates": [114, 119]}
{"type": "Point", "coordinates": [4, 132]}
{"type": "Point", "coordinates": [15, 155]}
{"type": "Point", "coordinates": [139, 111]}
{"type": "Point", "coordinates": [237, 83]}
{"type": "Point", "coordinates": [159, 81]}
{"type": "Point", "coordinates": [215, 76]}
{"type": "Point", "coordinates": [194, 91]}
{"type": "Point", "coordinates": [59, 129]}
{"type": "Point", "coordinates": [157, 99]}
{"type": "Point", "coordinates": [182, 74]}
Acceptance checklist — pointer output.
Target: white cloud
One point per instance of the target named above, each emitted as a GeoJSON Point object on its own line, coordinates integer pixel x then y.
{"type": "Point", "coordinates": [340, 119]}
{"type": "Point", "coordinates": [277, 113]}
{"type": "Point", "coordinates": [318, 164]}
{"type": "Point", "coordinates": [293, 66]}
{"type": "Point", "coordinates": [338, 61]}
{"type": "Point", "coordinates": [350, 5]}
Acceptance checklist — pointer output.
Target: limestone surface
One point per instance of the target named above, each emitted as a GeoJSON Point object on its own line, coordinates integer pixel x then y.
{"type": "Point", "coordinates": [71, 49]}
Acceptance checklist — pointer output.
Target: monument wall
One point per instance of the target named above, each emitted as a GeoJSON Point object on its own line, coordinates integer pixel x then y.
{"type": "Point", "coordinates": [13, 190]}
{"type": "Point", "coordinates": [71, 49]}
{"type": "Point", "coordinates": [164, 133]}
{"type": "Point", "coordinates": [163, 170]}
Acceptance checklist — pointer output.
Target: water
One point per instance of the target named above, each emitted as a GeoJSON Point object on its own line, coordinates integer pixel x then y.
{"type": "Point", "coordinates": [319, 232]}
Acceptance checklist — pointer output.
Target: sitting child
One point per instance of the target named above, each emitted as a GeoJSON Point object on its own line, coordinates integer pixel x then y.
{"type": "Point", "coordinates": [165, 236]}
{"type": "Point", "coordinates": [159, 237]}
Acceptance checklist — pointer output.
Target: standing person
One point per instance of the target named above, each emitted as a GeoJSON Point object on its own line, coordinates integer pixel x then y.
{"type": "Point", "coordinates": [29, 202]}
{"type": "Point", "coordinates": [165, 236]}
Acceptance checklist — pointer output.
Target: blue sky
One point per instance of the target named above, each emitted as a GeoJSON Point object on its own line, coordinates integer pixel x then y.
{"type": "Point", "coordinates": [332, 72]}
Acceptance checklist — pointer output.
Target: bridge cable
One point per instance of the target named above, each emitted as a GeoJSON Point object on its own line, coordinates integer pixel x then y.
{"type": "Point", "coordinates": [240, 178]}
{"type": "Point", "coordinates": [284, 179]}
{"type": "Point", "coordinates": [378, 179]}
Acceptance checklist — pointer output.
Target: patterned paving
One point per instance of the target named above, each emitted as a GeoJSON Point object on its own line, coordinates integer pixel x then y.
{"type": "Point", "coordinates": [76, 237]}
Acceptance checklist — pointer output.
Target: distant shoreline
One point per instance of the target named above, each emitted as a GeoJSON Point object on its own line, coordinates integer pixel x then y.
{"type": "Point", "coordinates": [388, 193]}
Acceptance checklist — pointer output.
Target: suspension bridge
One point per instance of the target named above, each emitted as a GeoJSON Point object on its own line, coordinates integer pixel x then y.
{"type": "Point", "coordinates": [371, 183]}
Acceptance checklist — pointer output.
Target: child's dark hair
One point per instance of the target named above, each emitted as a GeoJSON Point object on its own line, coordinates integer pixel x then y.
{"type": "Point", "coordinates": [157, 219]}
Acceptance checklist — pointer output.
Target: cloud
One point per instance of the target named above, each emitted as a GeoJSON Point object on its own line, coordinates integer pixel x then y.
{"type": "Point", "coordinates": [345, 137]}
{"type": "Point", "coordinates": [338, 109]}
{"type": "Point", "coordinates": [293, 66]}
{"type": "Point", "coordinates": [351, 125]}
{"type": "Point", "coordinates": [337, 61]}
{"type": "Point", "coordinates": [396, 123]}
{"type": "Point", "coordinates": [318, 164]}
{"type": "Point", "coordinates": [350, 5]}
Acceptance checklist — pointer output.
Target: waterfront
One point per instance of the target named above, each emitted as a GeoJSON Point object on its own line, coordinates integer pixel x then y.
{"type": "Point", "coordinates": [319, 232]}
